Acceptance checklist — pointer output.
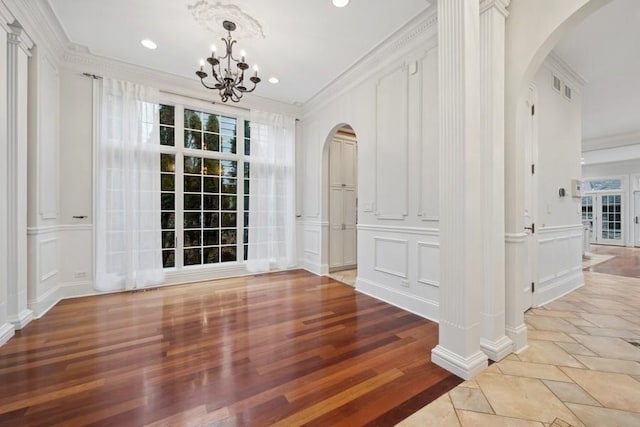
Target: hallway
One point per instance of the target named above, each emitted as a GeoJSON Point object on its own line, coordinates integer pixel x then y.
{"type": "Point", "coordinates": [582, 366]}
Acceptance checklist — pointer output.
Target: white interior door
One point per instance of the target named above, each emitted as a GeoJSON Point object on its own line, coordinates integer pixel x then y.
{"type": "Point", "coordinates": [342, 204]}
{"type": "Point", "coordinates": [530, 131]}
{"type": "Point", "coordinates": [636, 222]}
{"type": "Point", "coordinates": [610, 219]}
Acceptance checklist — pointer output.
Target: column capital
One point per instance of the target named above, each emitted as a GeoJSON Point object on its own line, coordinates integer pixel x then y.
{"type": "Point", "coordinates": [499, 5]}
{"type": "Point", "coordinates": [17, 36]}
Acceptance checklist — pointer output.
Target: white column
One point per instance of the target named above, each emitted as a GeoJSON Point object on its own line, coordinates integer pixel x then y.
{"type": "Point", "coordinates": [17, 76]}
{"type": "Point", "coordinates": [6, 328]}
{"type": "Point", "coordinates": [461, 187]}
{"type": "Point", "coordinates": [493, 341]}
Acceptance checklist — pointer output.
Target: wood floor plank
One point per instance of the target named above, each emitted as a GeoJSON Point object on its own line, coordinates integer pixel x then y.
{"type": "Point", "coordinates": [279, 349]}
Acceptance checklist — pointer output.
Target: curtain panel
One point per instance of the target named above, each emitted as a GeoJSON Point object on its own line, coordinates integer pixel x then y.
{"type": "Point", "coordinates": [128, 237]}
{"type": "Point", "coordinates": [272, 193]}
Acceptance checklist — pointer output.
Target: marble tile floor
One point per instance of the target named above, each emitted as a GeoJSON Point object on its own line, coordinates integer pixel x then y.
{"type": "Point", "coordinates": [582, 367]}
{"type": "Point", "coordinates": [345, 276]}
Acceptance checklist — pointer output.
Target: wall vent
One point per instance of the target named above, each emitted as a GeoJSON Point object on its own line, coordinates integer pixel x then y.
{"type": "Point", "coordinates": [567, 92]}
{"type": "Point", "coordinates": [557, 83]}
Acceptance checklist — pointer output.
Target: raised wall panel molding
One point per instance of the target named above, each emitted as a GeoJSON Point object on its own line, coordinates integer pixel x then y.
{"type": "Point", "coordinates": [399, 229]}
{"type": "Point", "coordinates": [391, 261]}
{"type": "Point", "coordinates": [428, 276]}
{"type": "Point", "coordinates": [47, 137]}
{"type": "Point", "coordinates": [428, 187]}
{"type": "Point", "coordinates": [392, 145]}
{"type": "Point", "coordinates": [47, 255]}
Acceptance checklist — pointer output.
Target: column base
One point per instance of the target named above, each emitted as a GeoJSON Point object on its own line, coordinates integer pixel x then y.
{"type": "Point", "coordinates": [519, 337]}
{"type": "Point", "coordinates": [6, 332]}
{"type": "Point", "coordinates": [22, 319]}
{"type": "Point", "coordinates": [497, 350]}
{"type": "Point", "coordinates": [465, 368]}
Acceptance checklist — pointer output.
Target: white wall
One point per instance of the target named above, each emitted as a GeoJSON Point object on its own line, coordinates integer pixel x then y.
{"type": "Point", "coordinates": [390, 100]}
{"type": "Point", "coordinates": [559, 234]}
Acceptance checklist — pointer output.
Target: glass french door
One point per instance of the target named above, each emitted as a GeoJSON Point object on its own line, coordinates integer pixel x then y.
{"type": "Point", "coordinates": [604, 212]}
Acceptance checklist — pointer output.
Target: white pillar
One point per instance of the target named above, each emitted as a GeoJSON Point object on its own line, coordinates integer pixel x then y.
{"type": "Point", "coordinates": [495, 344]}
{"type": "Point", "coordinates": [17, 76]}
{"type": "Point", "coordinates": [6, 328]}
{"type": "Point", "coordinates": [461, 187]}
{"type": "Point", "coordinates": [515, 236]}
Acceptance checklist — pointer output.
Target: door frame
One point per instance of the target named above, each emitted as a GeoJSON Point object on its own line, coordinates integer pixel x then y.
{"type": "Point", "coordinates": [530, 137]}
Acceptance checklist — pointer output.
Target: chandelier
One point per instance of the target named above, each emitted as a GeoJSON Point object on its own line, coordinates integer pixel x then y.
{"type": "Point", "coordinates": [230, 80]}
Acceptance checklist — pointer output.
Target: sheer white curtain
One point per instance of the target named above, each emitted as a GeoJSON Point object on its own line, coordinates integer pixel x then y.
{"type": "Point", "coordinates": [128, 237]}
{"type": "Point", "coordinates": [272, 192]}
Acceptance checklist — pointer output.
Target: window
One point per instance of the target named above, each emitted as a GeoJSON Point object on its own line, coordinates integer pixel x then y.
{"type": "Point", "coordinates": [205, 187]}
{"type": "Point", "coordinates": [602, 184]}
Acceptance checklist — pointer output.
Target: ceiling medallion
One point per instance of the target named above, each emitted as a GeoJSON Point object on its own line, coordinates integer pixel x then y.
{"type": "Point", "coordinates": [211, 16]}
{"type": "Point", "coordinates": [228, 78]}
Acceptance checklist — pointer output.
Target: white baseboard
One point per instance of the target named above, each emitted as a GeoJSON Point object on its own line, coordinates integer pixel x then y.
{"type": "Point", "coordinates": [411, 303]}
{"type": "Point", "coordinates": [559, 287]}
{"type": "Point", "coordinates": [497, 350]}
{"type": "Point", "coordinates": [465, 368]}
{"type": "Point", "coordinates": [518, 336]}
{"type": "Point", "coordinates": [6, 332]}
{"type": "Point", "coordinates": [317, 269]}
{"type": "Point", "coordinates": [22, 319]}
{"type": "Point", "coordinates": [45, 302]}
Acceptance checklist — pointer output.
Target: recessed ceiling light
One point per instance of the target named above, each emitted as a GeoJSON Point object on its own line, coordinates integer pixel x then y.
{"type": "Point", "coordinates": [273, 80]}
{"type": "Point", "coordinates": [340, 3]}
{"type": "Point", "coordinates": [149, 44]}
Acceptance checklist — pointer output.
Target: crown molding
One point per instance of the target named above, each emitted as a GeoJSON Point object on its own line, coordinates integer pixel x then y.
{"type": "Point", "coordinates": [611, 141]}
{"type": "Point", "coordinates": [556, 62]}
{"type": "Point", "coordinates": [499, 5]}
{"type": "Point", "coordinates": [6, 17]}
{"type": "Point", "coordinates": [39, 23]}
{"type": "Point", "coordinates": [422, 27]}
{"type": "Point", "coordinates": [82, 61]}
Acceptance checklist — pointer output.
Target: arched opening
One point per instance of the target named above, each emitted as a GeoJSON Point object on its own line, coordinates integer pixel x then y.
{"type": "Point", "coordinates": [542, 161]}
{"type": "Point", "coordinates": [340, 204]}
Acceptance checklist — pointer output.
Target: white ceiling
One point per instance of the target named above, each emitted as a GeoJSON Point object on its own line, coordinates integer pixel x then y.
{"type": "Point", "coordinates": [604, 49]}
{"type": "Point", "coordinates": [307, 43]}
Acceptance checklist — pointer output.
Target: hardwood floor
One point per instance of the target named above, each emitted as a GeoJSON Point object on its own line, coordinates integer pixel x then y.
{"type": "Point", "coordinates": [626, 261]}
{"type": "Point", "coordinates": [281, 349]}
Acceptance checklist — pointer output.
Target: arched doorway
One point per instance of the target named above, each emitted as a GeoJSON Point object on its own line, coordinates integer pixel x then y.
{"type": "Point", "coordinates": [529, 41]}
{"type": "Point", "coordinates": [341, 195]}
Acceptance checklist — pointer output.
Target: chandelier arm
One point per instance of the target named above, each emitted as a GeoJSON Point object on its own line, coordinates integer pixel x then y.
{"type": "Point", "coordinates": [207, 86]}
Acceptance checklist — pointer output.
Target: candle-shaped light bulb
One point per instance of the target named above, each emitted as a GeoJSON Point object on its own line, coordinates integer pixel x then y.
{"type": "Point", "coordinates": [213, 50]}
{"type": "Point", "coordinates": [255, 71]}
{"type": "Point", "coordinates": [242, 55]}
{"type": "Point", "coordinates": [201, 64]}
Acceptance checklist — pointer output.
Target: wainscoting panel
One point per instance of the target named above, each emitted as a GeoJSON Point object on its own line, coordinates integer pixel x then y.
{"type": "Point", "coordinates": [559, 262]}
{"type": "Point", "coordinates": [391, 256]}
{"type": "Point", "coordinates": [429, 169]}
{"type": "Point", "coordinates": [392, 144]}
{"type": "Point", "coordinates": [400, 265]}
